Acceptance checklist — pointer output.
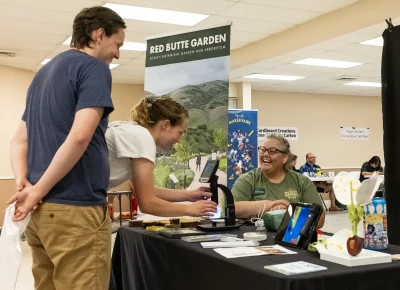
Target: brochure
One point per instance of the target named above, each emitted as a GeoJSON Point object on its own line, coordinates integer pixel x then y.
{"type": "Point", "coordinates": [295, 268]}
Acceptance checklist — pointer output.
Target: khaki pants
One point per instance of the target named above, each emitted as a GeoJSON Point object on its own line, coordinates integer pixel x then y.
{"type": "Point", "coordinates": [71, 247]}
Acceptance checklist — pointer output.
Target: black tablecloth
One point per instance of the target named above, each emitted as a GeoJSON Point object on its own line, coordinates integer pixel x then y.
{"type": "Point", "coordinates": [147, 261]}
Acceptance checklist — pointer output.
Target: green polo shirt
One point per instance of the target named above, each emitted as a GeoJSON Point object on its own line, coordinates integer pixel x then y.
{"type": "Point", "coordinates": [295, 187]}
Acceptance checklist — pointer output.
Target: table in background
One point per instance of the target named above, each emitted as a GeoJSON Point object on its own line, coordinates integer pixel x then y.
{"type": "Point", "coordinates": [147, 261]}
{"type": "Point", "coordinates": [119, 194]}
{"type": "Point", "coordinates": [320, 179]}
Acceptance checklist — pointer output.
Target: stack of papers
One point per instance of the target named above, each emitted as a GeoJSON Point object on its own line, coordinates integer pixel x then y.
{"type": "Point", "coordinates": [295, 268]}
{"type": "Point", "coordinates": [253, 251]}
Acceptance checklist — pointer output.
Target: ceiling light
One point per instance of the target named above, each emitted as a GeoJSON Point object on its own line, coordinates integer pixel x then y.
{"type": "Point", "coordinates": [273, 77]}
{"type": "Point", "coordinates": [364, 84]}
{"type": "Point", "coordinates": [375, 41]}
{"type": "Point", "coordinates": [157, 15]}
{"type": "Point", "coordinates": [136, 46]}
{"type": "Point", "coordinates": [68, 41]}
{"type": "Point", "coordinates": [327, 62]}
{"type": "Point", "coordinates": [45, 61]}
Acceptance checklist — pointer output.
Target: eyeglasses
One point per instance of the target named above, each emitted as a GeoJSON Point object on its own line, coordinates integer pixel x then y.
{"type": "Point", "coordinates": [313, 157]}
{"type": "Point", "coordinates": [271, 151]}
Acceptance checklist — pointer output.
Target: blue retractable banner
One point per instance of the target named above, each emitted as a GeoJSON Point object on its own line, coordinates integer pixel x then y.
{"type": "Point", "coordinates": [242, 143]}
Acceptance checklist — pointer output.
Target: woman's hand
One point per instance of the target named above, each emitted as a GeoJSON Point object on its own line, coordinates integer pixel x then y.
{"type": "Point", "coordinates": [202, 208]}
{"type": "Point", "coordinates": [200, 193]}
{"type": "Point", "coordinates": [278, 204]}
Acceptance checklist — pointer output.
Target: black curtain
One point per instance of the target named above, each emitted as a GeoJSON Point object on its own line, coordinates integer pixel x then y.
{"type": "Point", "coordinates": [391, 128]}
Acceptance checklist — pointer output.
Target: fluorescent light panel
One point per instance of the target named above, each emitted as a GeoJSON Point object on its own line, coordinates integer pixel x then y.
{"type": "Point", "coordinates": [327, 63]}
{"type": "Point", "coordinates": [364, 84]}
{"type": "Point", "coordinates": [273, 77]}
{"type": "Point", "coordinates": [375, 41]}
{"type": "Point", "coordinates": [45, 61]}
{"type": "Point", "coordinates": [136, 46]}
{"type": "Point", "coordinates": [112, 66]}
{"type": "Point", "coordinates": [156, 15]}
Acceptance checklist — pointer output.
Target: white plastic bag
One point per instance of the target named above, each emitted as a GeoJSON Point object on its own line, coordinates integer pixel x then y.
{"type": "Point", "coordinates": [10, 249]}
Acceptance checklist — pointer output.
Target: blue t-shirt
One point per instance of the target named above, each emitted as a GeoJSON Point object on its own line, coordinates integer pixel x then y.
{"type": "Point", "coordinates": [310, 168]}
{"type": "Point", "coordinates": [72, 81]}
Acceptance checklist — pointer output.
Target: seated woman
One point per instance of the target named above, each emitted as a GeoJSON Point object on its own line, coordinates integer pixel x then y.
{"type": "Point", "coordinates": [292, 162]}
{"type": "Point", "coordinates": [273, 184]}
{"type": "Point", "coordinates": [132, 153]}
{"type": "Point", "coordinates": [369, 167]}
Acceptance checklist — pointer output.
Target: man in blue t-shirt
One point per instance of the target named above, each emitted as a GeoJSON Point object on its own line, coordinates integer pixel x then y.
{"type": "Point", "coordinates": [59, 157]}
{"type": "Point", "coordinates": [322, 186]}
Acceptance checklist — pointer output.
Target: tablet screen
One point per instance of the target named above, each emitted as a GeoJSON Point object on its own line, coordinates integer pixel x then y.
{"type": "Point", "coordinates": [209, 170]}
{"type": "Point", "coordinates": [296, 225]}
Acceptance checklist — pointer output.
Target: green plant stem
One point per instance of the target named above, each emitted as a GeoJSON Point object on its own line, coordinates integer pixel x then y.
{"type": "Point", "coordinates": [353, 212]}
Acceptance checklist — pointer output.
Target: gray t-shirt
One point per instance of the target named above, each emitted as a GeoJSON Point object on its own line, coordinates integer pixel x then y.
{"type": "Point", "coordinates": [71, 81]}
{"type": "Point", "coordinates": [126, 141]}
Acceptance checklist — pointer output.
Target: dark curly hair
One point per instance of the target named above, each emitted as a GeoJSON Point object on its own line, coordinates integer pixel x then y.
{"type": "Point", "coordinates": [91, 19]}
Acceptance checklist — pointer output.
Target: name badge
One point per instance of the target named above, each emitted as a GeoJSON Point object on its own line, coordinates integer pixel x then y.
{"type": "Point", "coordinates": [259, 191]}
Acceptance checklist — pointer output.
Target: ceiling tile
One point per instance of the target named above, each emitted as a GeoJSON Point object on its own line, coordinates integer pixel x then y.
{"type": "Point", "coordinates": [306, 52]}
{"type": "Point", "coordinates": [284, 58]}
{"type": "Point", "coordinates": [73, 6]}
{"type": "Point", "coordinates": [328, 45]}
{"type": "Point", "coordinates": [18, 45]}
{"type": "Point", "coordinates": [203, 7]}
{"type": "Point", "coordinates": [354, 37]}
{"type": "Point", "coordinates": [309, 5]}
{"type": "Point", "coordinates": [137, 61]}
{"type": "Point", "coordinates": [34, 37]}
{"type": "Point", "coordinates": [133, 67]}
{"type": "Point", "coordinates": [151, 28]}
{"type": "Point", "coordinates": [236, 44]}
{"type": "Point", "coordinates": [129, 53]}
{"type": "Point", "coordinates": [241, 36]}
{"type": "Point", "coordinates": [375, 29]}
{"type": "Point", "coordinates": [31, 26]}
{"type": "Point", "coordinates": [266, 64]}
{"type": "Point", "coordinates": [267, 13]}
{"type": "Point", "coordinates": [361, 49]}
{"type": "Point", "coordinates": [135, 36]}
{"type": "Point", "coordinates": [296, 70]}
{"type": "Point", "coordinates": [24, 66]}
{"type": "Point", "coordinates": [244, 24]}
{"type": "Point", "coordinates": [61, 48]}
{"type": "Point", "coordinates": [351, 57]}
{"type": "Point", "coordinates": [36, 14]}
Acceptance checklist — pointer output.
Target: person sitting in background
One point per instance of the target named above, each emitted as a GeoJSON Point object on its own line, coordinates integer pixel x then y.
{"type": "Point", "coordinates": [292, 161]}
{"type": "Point", "coordinates": [132, 152]}
{"type": "Point", "coordinates": [322, 186]}
{"type": "Point", "coordinates": [273, 184]}
{"type": "Point", "coordinates": [371, 166]}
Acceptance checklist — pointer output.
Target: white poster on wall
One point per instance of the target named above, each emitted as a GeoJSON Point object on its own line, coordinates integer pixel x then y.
{"type": "Point", "coordinates": [290, 133]}
{"type": "Point", "coordinates": [353, 133]}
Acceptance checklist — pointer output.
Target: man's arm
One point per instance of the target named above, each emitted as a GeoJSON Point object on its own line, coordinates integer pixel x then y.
{"type": "Point", "coordinates": [69, 153]}
{"type": "Point", "coordinates": [19, 156]}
